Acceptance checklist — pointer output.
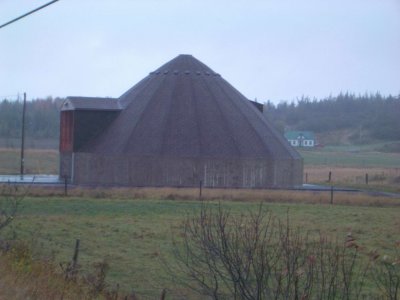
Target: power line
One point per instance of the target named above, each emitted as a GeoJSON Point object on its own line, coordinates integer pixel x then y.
{"type": "Point", "coordinates": [28, 13]}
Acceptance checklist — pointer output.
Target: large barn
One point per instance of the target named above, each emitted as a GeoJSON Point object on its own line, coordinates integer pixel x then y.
{"type": "Point", "coordinates": [181, 125]}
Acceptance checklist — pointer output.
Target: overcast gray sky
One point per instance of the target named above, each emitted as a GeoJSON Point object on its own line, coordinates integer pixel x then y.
{"type": "Point", "coordinates": [276, 50]}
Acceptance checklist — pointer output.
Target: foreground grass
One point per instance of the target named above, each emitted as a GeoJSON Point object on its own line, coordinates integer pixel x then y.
{"type": "Point", "coordinates": [135, 236]}
{"type": "Point", "coordinates": [24, 278]}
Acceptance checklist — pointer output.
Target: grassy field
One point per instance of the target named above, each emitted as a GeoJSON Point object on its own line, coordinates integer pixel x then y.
{"type": "Point", "coordinates": [37, 161]}
{"type": "Point", "coordinates": [30, 143]}
{"type": "Point", "coordinates": [349, 166]}
{"type": "Point", "coordinates": [135, 236]}
{"type": "Point", "coordinates": [347, 157]}
{"type": "Point", "coordinates": [379, 179]}
{"type": "Point", "coordinates": [133, 229]}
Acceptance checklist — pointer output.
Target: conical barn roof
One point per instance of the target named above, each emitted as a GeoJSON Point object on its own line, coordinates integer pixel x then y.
{"type": "Point", "coordinates": [185, 109]}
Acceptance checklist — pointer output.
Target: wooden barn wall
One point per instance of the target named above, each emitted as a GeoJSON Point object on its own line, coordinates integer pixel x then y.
{"type": "Point", "coordinates": [65, 165]}
{"type": "Point", "coordinates": [150, 171]}
{"type": "Point", "coordinates": [288, 173]}
{"type": "Point", "coordinates": [66, 131]}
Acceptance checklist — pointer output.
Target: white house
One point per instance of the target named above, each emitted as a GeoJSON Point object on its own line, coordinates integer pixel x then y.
{"type": "Point", "coordinates": [300, 138]}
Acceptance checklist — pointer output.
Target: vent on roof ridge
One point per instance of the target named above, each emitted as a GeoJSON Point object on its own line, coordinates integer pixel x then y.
{"type": "Point", "coordinates": [165, 72]}
{"type": "Point", "coordinates": [207, 73]}
{"type": "Point", "coordinates": [151, 73]}
{"type": "Point", "coordinates": [187, 72]}
{"type": "Point", "coordinates": [157, 72]}
{"type": "Point", "coordinates": [216, 74]}
{"type": "Point", "coordinates": [176, 72]}
{"type": "Point", "coordinates": [198, 72]}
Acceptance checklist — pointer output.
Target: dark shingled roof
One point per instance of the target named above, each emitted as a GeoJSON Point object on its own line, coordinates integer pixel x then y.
{"type": "Point", "coordinates": [90, 103]}
{"type": "Point", "coordinates": [185, 109]}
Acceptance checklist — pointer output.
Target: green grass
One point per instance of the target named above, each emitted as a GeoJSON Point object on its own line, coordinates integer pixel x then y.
{"type": "Point", "coordinates": [135, 236]}
{"type": "Point", "coordinates": [344, 158]}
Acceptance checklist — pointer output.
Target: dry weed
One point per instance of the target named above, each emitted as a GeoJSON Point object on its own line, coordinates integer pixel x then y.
{"type": "Point", "coordinates": [377, 177]}
{"type": "Point", "coordinates": [254, 195]}
{"type": "Point", "coordinates": [23, 278]}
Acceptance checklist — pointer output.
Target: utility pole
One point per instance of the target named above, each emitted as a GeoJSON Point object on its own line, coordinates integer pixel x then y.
{"type": "Point", "coordinates": [23, 138]}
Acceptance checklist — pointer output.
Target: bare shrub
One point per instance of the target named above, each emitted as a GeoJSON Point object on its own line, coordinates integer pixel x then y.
{"type": "Point", "coordinates": [10, 200]}
{"type": "Point", "coordinates": [386, 271]}
{"type": "Point", "coordinates": [256, 256]}
{"type": "Point", "coordinates": [24, 277]}
{"type": "Point", "coordinates": [97, 279]}
{"type": "Point", "coordinates": [11, 197]}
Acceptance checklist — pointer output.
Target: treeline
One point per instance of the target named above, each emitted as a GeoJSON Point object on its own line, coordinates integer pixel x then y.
{"type": "Point", "coordinates": [374, 115]}
{"type": "Point", "coordinates": [378, 117]}
{"type": "Point", "coordinates": [41, 118]}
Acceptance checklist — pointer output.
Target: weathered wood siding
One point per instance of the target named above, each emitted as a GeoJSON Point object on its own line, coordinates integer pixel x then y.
{"type": "Point", "coordinates": [97, 169]}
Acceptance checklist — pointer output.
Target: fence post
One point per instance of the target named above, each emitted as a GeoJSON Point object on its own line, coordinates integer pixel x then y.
{"type": "Point", "coordinates": [329, 176]}
{"type": "Point", "coordinates": [65, 186]}
{"type": "Point", "coordinates": [75, 259]}
{"type": "Point", "coordinates": [331, 194]}
{"type": "Point", "coordinates": [200, 188]}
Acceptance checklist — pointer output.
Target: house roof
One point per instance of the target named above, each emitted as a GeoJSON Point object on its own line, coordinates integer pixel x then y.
{"type": "Point", "coordinates": [185, 109]}
{"type": "Point", "coordinates": [90, 103]}
{"type": "Point", "coordinates": [294, 135]}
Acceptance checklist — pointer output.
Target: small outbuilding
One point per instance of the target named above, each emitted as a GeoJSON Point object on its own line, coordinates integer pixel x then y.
{"type": "Point", "coordinates": [181, 125]}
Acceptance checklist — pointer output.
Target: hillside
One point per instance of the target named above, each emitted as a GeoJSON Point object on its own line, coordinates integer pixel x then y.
{"type": "Point", "coordinates": [344, 119]}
